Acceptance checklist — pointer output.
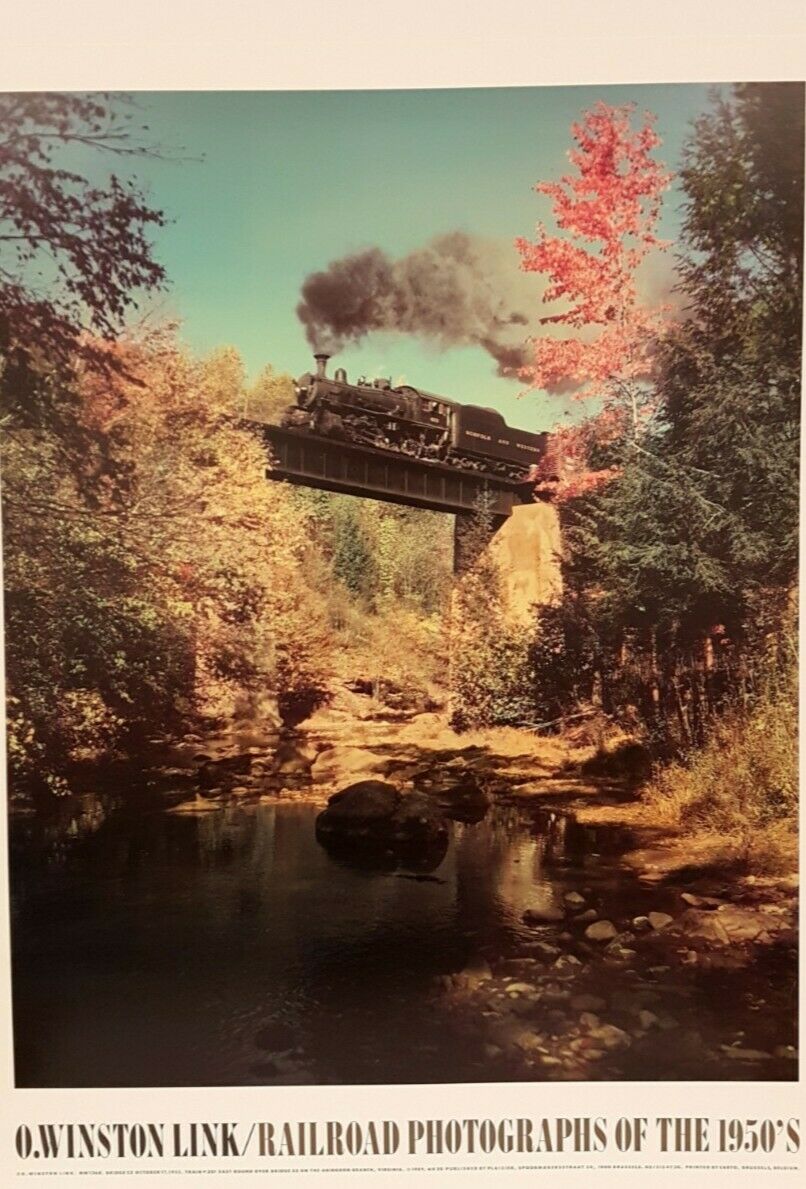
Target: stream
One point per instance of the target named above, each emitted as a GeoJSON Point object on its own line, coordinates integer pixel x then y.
{"type": "Point", "coordinates": [229, 948]}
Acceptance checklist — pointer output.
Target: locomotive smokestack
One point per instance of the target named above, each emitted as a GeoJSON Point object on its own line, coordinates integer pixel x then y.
{"type": "Point", "coordinates": [321, 364]}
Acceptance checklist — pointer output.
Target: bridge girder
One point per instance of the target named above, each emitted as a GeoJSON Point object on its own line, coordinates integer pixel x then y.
{"type": "Point", "coordinates": [310, 461]}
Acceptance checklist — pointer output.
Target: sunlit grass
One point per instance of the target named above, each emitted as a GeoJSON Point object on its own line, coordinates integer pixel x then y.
{"type": "Point", "coordinates": [743, 784]}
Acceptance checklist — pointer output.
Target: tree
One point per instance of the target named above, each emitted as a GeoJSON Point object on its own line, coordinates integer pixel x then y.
{"type": "Point", "coordinates": [683, 562]}
{"type": "Point", "coordinates": [132, 608]}
{"type": "Point", "coordinates": [490, 670]}
{"type": "Point", "coordinates": [730, 372]}
{"type": "Point", "coordinates": [612, 202]}
{"type": "Point", "coordinates": [75, 252]}
{"type": "Point", "coordinates": [270, 396]}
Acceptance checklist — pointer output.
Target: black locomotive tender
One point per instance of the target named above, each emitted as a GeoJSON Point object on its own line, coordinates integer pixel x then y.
{"type": "Point", "coordinates": [409, 421]}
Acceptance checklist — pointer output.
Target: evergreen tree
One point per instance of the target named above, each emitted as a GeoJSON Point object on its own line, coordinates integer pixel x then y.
{"type": "Point", "coordinates": [686, 557]}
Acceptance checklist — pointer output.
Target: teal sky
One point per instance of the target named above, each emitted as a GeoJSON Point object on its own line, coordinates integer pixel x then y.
{"type": "Point", "coordinates": [264, 187]}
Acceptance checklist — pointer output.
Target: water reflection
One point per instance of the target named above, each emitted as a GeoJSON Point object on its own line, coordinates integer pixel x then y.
{"type": "Point", "coordinates": [160, 946]}
{"type": "Point", "coordinates": [413, 856]}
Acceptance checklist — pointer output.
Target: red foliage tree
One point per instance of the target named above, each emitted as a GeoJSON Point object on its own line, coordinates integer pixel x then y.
{"type": "Point", "coordinates": [610, 207]}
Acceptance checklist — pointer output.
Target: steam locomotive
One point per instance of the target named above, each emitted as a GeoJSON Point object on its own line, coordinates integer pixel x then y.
{"type": "Point", "coordinates": [409, 421]}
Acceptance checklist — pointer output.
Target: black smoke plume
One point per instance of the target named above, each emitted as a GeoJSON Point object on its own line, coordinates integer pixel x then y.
{"type": "Point", "coordinates": [457, 290]}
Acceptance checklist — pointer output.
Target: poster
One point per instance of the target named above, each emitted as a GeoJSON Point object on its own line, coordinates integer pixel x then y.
{"type": "Point", "coordinates": [534, 943]}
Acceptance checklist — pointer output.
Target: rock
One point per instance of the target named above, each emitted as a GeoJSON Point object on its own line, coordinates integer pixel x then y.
{"type": "Point", "coordinates": [659, 920]}
{"type": "Point", "coordinates": [574, 899]}
{"type": "Point", "coordinates": [462, 801]}
{"type": "Point", "coordinates": [700, 901]}
{"type": "Point", "coordinates": [510, 1032]}
{"type": "Point", "coordinates": [542, 947]}
{"type": "Point", "coordinates": [374, 819]}
{"type": "Point", "coordinates": [589, 1021]}
{"type": "Point", "coordinates": [745, 1054]}
{"type": "Point", "coordinates": [554, 993]}
{"type": "Point", "coordinates": [641, 924]}
{"type": "Point", "coordinates": [707, 925]}
{"type": "Point", "coordinates": [240, 790]}
{"type": "Point", "coordinates": [540, 914]}
{"type": "Point", "coordinates": [647, 1019]}
{"type": "Point", "coordinates": [610, 1036]}
{"type": "Point", "coordinates": [520, 988]}
{"type": "Point", "coordinates": [590, 914]}
{"type": "Point", "coordinates": [367, 800]}
{"type": "Point", "coordinates": [743, 924]}
{"type": "Point", "coordinates": [415, 813]}
{"type": "Point", "coordinates": [566, 963]}
{"type": "Point", "coordinates": [588, 1003]}
{"type": "Point", "coordinates": [337, 764]}
{"type": "Point", "coordinates": [601, 931]}
{"type": "Point", "coordinates": [474, 973]}
{"type": "Point", "coordinates": [729, 923]}
{"type": "Point", "coordinates": [528, 1041]}
{"type": "Point", "coordinates": [616, 952]}
{"type": "Point", "coordinates": [789, 1052]}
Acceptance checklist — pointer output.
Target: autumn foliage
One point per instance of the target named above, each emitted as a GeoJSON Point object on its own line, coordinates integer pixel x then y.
{"type": "Point", "coordinates": [607, 212]}
{"type": "Point", "coordinates": [161, 583]}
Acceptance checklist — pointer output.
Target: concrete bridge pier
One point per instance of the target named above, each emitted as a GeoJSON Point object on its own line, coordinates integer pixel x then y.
{"type": "Point", "coordinates": [525, 546]}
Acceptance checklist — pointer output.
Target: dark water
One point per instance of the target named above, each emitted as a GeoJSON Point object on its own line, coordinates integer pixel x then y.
{"type": "Point", "coordinates": [156, 950]}
{"type": "Point", "coordinates": [166, 949]}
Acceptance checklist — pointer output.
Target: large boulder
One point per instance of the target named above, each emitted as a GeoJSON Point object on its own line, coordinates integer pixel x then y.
{"type": "Point", "coordinates": [416, 813]}
{"type": "Point", "coordinates": [373, 818]}
{"type": "Point", "coordinates": [367, 801]}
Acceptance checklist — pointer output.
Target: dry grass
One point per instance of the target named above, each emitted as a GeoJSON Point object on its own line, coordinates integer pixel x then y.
{"type": "Point", "coordinates": [742, 786]}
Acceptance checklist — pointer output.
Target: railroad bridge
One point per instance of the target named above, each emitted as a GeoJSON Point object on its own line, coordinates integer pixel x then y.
{"type": "Point", "coordinates": [526, 541]}
{"type": "Point", "coordinates": [303, 458]}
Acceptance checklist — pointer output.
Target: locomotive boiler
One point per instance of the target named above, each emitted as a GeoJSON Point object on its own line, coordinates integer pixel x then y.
{"type": "Point", "coordinates": [410, 421]}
